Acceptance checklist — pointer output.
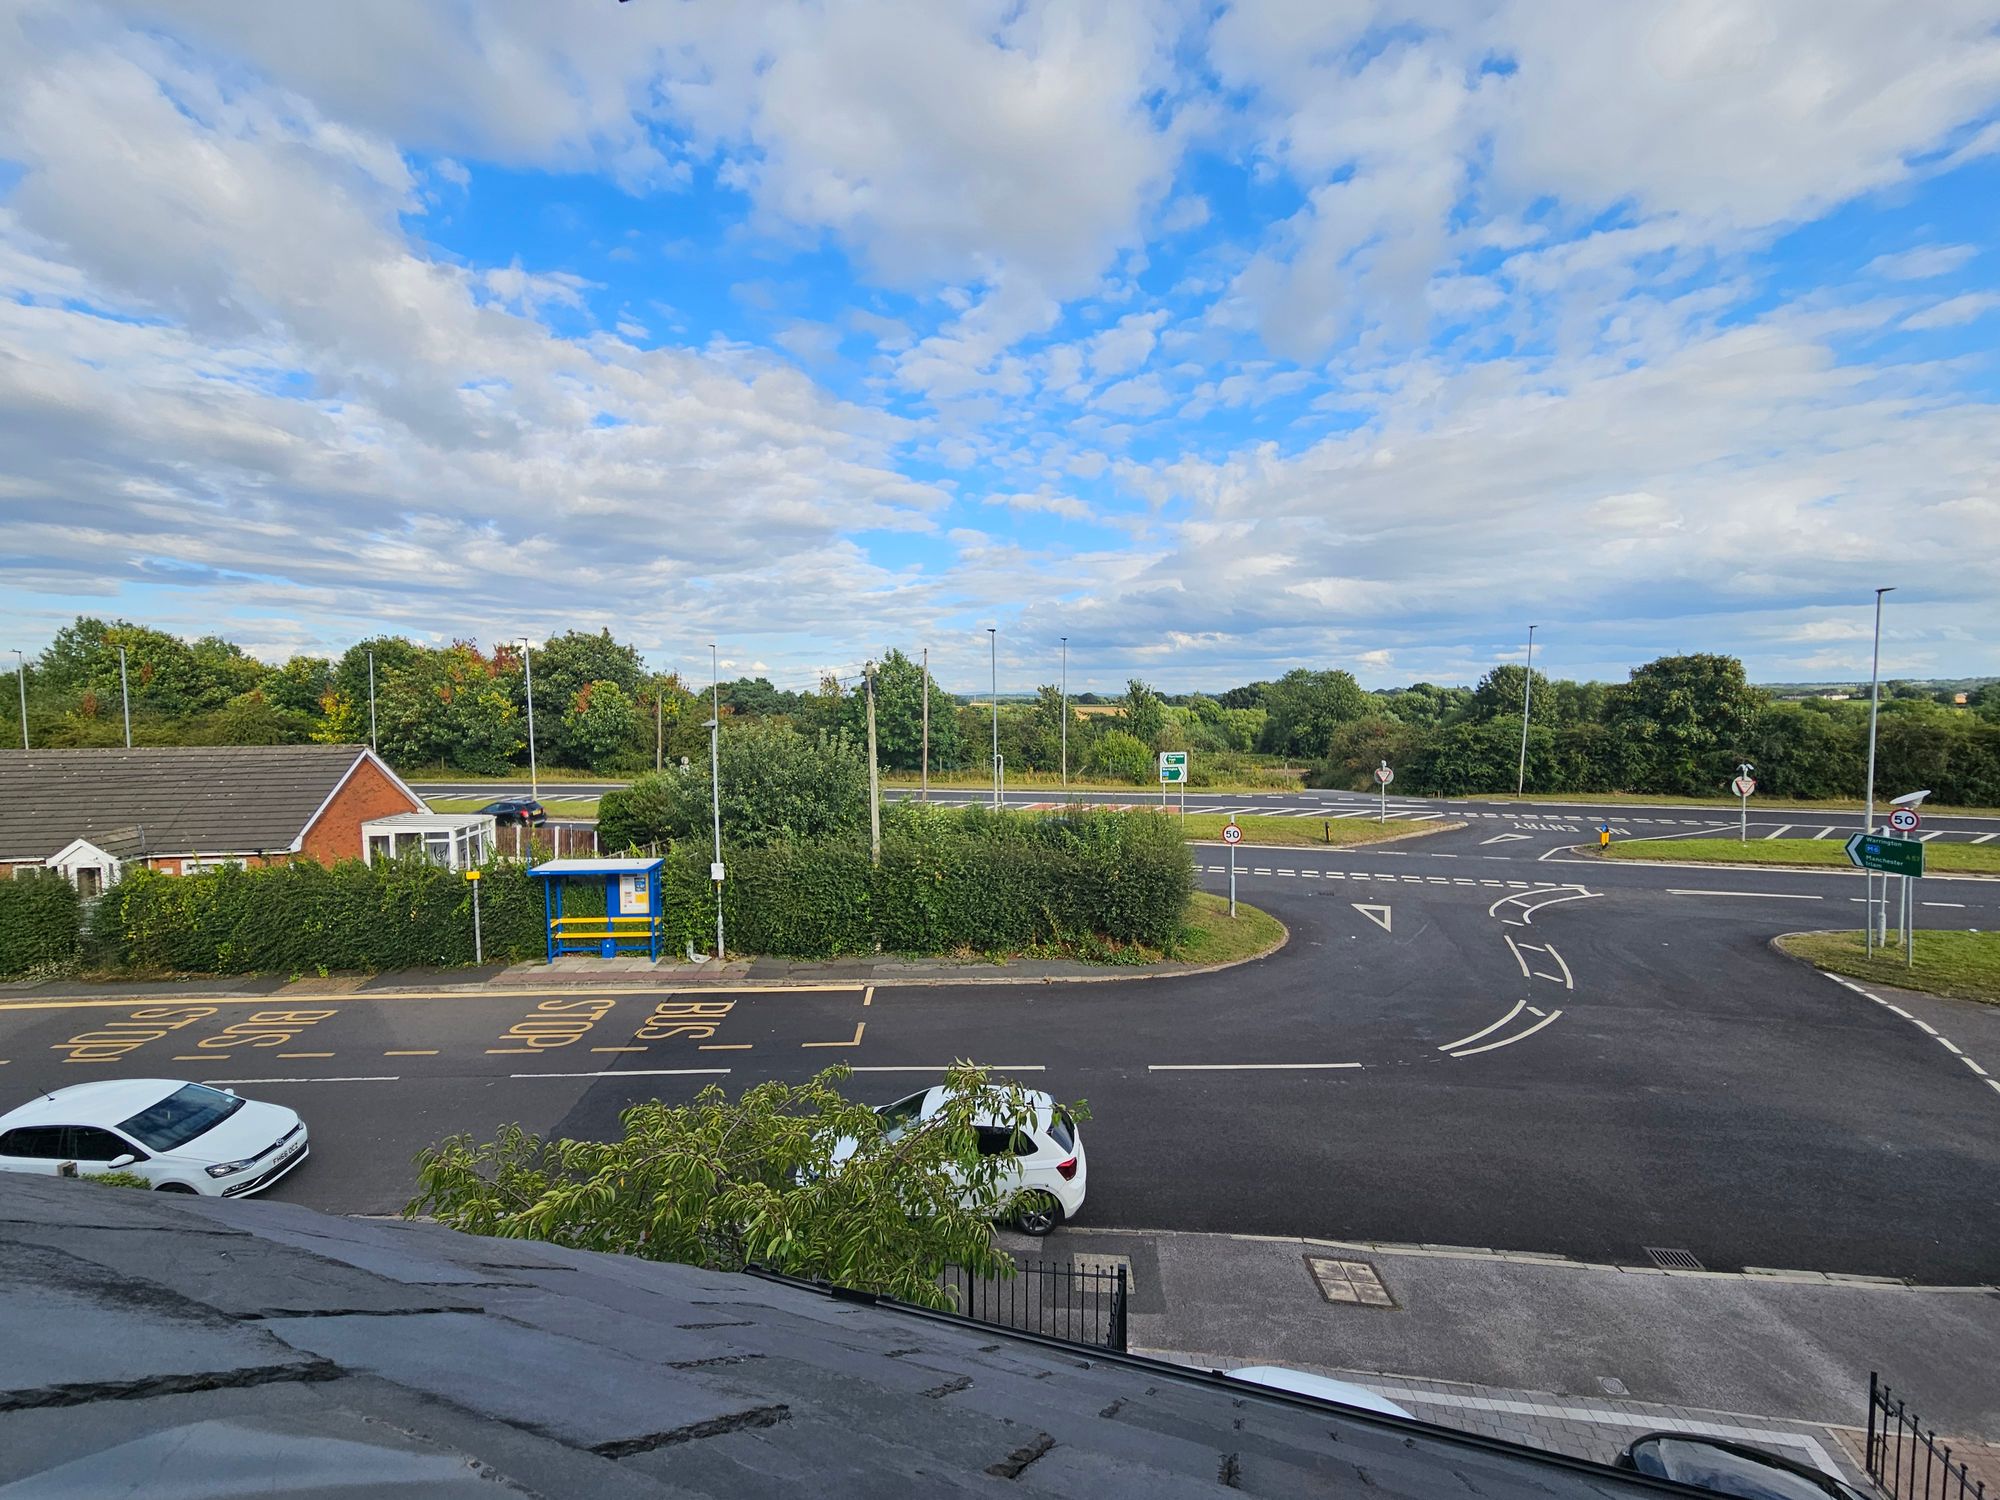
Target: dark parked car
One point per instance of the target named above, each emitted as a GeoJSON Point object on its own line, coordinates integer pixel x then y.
{"type": "Point", "coordinates": [518, 810]}
{"type": "Point", "coordinates": [1730, 1469]}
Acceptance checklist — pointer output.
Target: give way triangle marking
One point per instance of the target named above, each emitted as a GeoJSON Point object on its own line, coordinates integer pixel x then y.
{"type": "Point", "coordinates": [1379, 915]}
{"type": "Point", "coordinates": [1501, 838]}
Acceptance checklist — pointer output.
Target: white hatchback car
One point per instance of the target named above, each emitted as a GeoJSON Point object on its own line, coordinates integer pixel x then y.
{"type": "Point", "coordinates": [181, 1137]}
{"type": "Point", "coordinates": [1048, 1176]}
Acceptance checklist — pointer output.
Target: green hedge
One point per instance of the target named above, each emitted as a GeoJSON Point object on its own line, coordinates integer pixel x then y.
{"type": "Point", "coordinates": [950, 880]}
{"type": "Point", "coordinates": [40, 923]}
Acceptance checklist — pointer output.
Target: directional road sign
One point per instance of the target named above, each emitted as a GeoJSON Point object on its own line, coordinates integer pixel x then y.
{"type": "Point", "coordinates": [1231, 834]}
{"type": "Point", "coordinates": [1173, 766]}
{"type": "Point", "coordinates": [1879, 852]}
{"type": "Point", "coordinates": [1904, 820]}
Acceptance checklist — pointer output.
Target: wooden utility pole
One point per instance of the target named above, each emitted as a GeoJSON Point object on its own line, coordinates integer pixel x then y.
{"type": "Point", "coordinates": [874, 785]}
{"type": "Point", "coordinates": [926, 794]}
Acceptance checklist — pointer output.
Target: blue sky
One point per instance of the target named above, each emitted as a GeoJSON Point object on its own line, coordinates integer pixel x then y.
{"type": "Point", "coordinates": [1220, 339]}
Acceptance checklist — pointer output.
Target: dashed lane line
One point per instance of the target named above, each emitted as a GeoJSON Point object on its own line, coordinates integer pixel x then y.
{"type": "Point", "coordinates": [1519, 1006]}
{"type": "Point", "coordinates": [1508, 1041]}
{"type": "Point", "coordinates": [1244, 1067]}
{"type": "Point", "coordinates": [370, 1078]}
{"type": "Point", "coordinates": [1748, 895]}
{"type": "Point", "coordinates": [1931, 1031]}
{"type": "Point", "coordinates": [634, 1073]}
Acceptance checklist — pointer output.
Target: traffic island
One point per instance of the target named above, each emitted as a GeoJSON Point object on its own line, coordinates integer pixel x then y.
{"type": "Point", "coordinates": [1316, 833]}
{"type": "Point", "coordinates": [1962, 965]}
{"type": "Point", "coordinates": [1824, 854]}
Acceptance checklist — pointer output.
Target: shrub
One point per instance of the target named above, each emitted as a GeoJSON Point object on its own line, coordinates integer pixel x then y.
{"type": "Point", "coordinates": [1119, 757]}
{"type": "Point", "coordinates": [776, 784]}
{"type": "Point", "coordinates": [40, 922]}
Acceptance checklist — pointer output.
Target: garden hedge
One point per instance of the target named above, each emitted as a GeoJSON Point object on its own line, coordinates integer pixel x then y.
{"type": "Point", "coordinates": [40, 923]}
{"type": "Point", "coordinates": [950, 880]}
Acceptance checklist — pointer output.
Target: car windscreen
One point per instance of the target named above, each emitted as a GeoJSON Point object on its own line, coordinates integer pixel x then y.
{"type": "Point", "coordinates": [180, 1117]}
{"type": "Point", "coordinates": [1063, 1130]}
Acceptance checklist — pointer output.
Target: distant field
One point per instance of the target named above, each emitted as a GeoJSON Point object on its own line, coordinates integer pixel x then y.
{"type": "Point", "coordinates": [1963, 964]}
{"type": "Point", "coordinates": [1943, 858]}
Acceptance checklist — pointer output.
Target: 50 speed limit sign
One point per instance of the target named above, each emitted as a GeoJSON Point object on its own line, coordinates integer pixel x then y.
{"type": "Point", "coordinates": [1231, 834]}
{"type": "Point", "coordinates": [1904, 820]}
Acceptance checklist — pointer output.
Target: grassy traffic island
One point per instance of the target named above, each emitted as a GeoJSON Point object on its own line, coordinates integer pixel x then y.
{"type": "Point", "coordinates": [1828, 853]}
{"type": "Point", "coordinates": [1211, 936]}
{"type": "Point", "coordinates": [1964, 965]}
{"type": "Point", "coordinates": [1318, 833]}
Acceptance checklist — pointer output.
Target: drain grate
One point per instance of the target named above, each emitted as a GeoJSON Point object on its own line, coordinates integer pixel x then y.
{"type": "Point", "coordinates": [1673, 1260]}
{"type": "Point", "coordinates": [1353, 1282]}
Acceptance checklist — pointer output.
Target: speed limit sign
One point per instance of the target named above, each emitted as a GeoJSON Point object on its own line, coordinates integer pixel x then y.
{"type": "Point", "coordinates": [1231, 834]}
{"type": "Point", "coordinates": [1904, 820]}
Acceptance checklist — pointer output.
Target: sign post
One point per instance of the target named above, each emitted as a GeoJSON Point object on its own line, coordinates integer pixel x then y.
{"type": "Point", "coordinates": [1232, 836]}
{"type": "Point", "coordinates": [1383, 776]}
{"type": "Point", "coordinates": [1173, 772]}
{"type": "Point", "coordinates": [478, 943]}
{"type": "Point", "coordinates": [1743, 786]}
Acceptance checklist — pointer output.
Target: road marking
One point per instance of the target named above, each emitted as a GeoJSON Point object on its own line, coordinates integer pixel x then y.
{"type": "Point", "coordinates": [1986, 838]}
{"type": "Point", "coordinates": [943, 1069]}
{"type": "Point", "coordinates": [465, 993]}
{"type": "Point", "coordinates": [618, 1049]}
{"type": "Point", "coordinates": [855, 1041]}
{"type": "Point", "coordinates": [1509, 1041]}
{"type": "Point", "coordinates": [1954, 905]}
{"type": "Point", "coordinates": [1822, 833]}
{"type": "Point", "coordinates": [1752, 895]}
{"type": "Point", "coordinates": [1779, 831]}
{"type": "Point", "coordinates": [1845, 983]}
{"type": "Point", "coordinates": [725, 1046]}
{"type": "Point", "coordinates": [634, 1073]}
{"type": "Point", "coordinates": [290, 1055]}
{"type": "Point", "coordinates": [1240, 1067]}
{"type": "Point", "coordinates": [202, 1057]}
{"type": "Point", "coordinates": [1515, 949]}
{"type": "Point", "coordinates": [1519, 1006]}
{"type": "Point", "coordinates": [1505, 838]}
{"type": "Point", "coordinates": [1379, 915]}
{"type": "Point", "coordinates": [373, 1078]}
{"type": "Point", "coordinates": [868, 995]}
{"type": "Point", "coordinates": [425, 1052]}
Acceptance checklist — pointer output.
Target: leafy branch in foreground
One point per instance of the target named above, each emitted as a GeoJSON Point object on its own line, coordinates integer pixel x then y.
{"type": "Point", "coordinates": [794, 1177]}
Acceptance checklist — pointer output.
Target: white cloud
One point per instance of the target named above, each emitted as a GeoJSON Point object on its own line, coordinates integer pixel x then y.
{"type": "Point", "coordinates": [1921, 263]}
{"type": "Point", "coordinates": [1125, 346]}
{"type": "Point", "coordinates": [1954, 311]}
{"type": "Point", "coordinates": [1043, 503]}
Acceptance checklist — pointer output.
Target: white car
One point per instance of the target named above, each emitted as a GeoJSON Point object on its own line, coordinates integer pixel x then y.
{"type": "Point", "coordinates": [1046, 1183]}
{"type": "Point", "coordinates": [1320, 1387]}
{"type": "Point", "coordinates": [181, 1137]}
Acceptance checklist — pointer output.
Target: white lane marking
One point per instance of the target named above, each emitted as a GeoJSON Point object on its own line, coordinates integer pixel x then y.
{"type": "Point", "coordinates": [1923, 1026]}
{"type": "Point", "coordinates": [1239, 1067]}
{"type": "Point", "coordinates": [1986, 838]}
{"type": "Point", "coordinates": [1519, 1005]}
{"type": "Point", "coordinates": [1509, 1041]}
{"type": "Point", "coordinates": [1934, 1033]}
{"type": "Point", "coordinates": [1955, 905]}
{"type": "Point", "coordinates": [634, 1073]}
{"type": "Point", "coordinates": [1528, 912]}
{"type": "Point", "coordinates": [1505, 838]}
{"type": "Point", "coordinates": [1822, 833]}
{"type": "Point", "coordinates": [1949, 1045]}
{"type": "Point", "coordinates": [1779, 831]}
{"type": "Point", "coordinates": [942, 1070]}
{"type": "Point", "coordinates": [1377, 914]}
{"type": "Point", "coordinates": [1515, 948]}
{"type": "Point", "coordinates": [1567, 983]}
{"type": "Point", "coordinates": [1755, 895]}
{"type": "Point", "coordinates": [374, 1078]}
{"type": "Point", "coordinates": [1925, 838]}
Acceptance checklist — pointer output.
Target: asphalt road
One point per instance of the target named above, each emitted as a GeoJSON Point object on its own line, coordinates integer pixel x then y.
{"type": "Point", "coordinates": [1501, 1045]}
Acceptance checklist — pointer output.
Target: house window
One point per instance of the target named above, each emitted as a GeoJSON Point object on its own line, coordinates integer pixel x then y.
{"type": "Point", "coordinates": [379, 847]}
{"type": "Point", "coordinates": [438, 847]}
{"type": "Point", "coordinates": [89, 881]}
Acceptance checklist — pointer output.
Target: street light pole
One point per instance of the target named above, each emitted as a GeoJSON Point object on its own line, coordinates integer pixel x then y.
{"type": "Point", "coordinates": [874, 782]}
{"type": "Point", "coordinates": [715, 784]}
{"type": "Point", "coordinates": [374, 743]}
{"type": "Point", "coordinates": [1527, 702]}
{"type": "Point", "coordinates": [528, 669]}
{"type": "Point", "coordinates": [21, 674]}
{"type": "Point", "coordinates": [926, 794]}
{"type": "Point", "coordinates": [1065, 712]}
{"type": "Point", "coordinates": [993, 663]}
{"type": "Point", "coordinates": [1874, 709]}
{"type": "Point", "coordinates": [125, 692]}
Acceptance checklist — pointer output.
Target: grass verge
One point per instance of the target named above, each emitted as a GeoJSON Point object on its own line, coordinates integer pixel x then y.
{"type": "Point", "coordinates": [1965, 965]}
{"type": "Point", "coordinates": [1211, 937]}
{"type": "Point", "coordinates": [1939, 858]}
{"type": "Point", "coordinates": [556, 807]}
{"type": "Point", "coordinates": [1273, 780]}
{"type": "Point", "coordinates": [1318, 833]}
{"type": "Point", "coordinates": [1762, 804]}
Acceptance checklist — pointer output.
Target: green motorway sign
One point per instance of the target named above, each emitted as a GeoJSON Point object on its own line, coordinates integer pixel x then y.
{"type": "Point", "coordinates": [1879, 852]}
{"type": "Point", "coordinates": [1173, 766]}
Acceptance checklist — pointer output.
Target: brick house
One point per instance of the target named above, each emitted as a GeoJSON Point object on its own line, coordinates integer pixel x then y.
{"type": "Point", "coordinates": [93, 814]}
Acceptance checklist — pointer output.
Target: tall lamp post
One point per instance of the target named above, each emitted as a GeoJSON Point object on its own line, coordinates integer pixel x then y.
{"type": "Point", "coordinates": [21, 675]}
{"type": "Point", "coordinates": [528, 669]}
{"type": "Point", "coordinates": [1527, 702]}
{"type": "Point", "coordinates": [374, 743]}
{"type": "Point", "coordinates": [715, 871]}
{"type": "Point", "coordinates": [1065, 712]}
{"type": "Point", "coordinates": [1868, 825]}
{"type": "Point", "coordinates": [125, 693]}
{"type": "Point", "coordinates": [993, 663]}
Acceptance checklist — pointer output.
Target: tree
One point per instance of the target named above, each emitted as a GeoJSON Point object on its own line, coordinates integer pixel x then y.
{"type": "Point", "coordinates": [1250, 695]}
{"type": "Point", "coordinates": [601, 726]}
{"type": "Point", "coordinates": [1686, 720]}
{"type": "Point", "coordinates": [776, 784]}
{"type": "Point", "coordinates": [794, 1177]}
{"type": "Point", "coordinates": [1304, 708]}
{"type": "Point", "coordinates": [1359, 746]}
{"type": "Point", "coordinates": [899, 717]}
{"type": "Point", "coordinates": [1143, 713]}
{"type": "Point", "coordinates": [1500, 692]}
{"type": "Point", "coordinates": [1118, 756]}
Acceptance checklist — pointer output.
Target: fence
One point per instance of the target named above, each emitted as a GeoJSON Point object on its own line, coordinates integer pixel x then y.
{"type": "Point", "coordinates": [1082, 1304]}
{"type": "Point", "coordinates": [1907, 1462]}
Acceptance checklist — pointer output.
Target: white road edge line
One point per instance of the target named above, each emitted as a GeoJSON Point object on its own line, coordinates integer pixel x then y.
{"type": "Point", "coordinates": [1485, 1030]}
{"type": "Point", "coordinates": [375, 1078]}
{"type": "Point", "coordinates": [634, 1073]}
{"type": "Point", "coordinates": [1986, 1078]}
{"type": "Point", "coordinates": [1753, 895]}
{"type": "Point", "coordinates": [941, 1071]}
{"type": "Point", "coordinates": [1510, 1040]}
{"type": "Point", "coordinates": [1238, 1067]}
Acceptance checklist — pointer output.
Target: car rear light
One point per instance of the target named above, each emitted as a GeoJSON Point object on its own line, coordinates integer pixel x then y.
{"type": "Point", "coordinates": [1068, 1169]}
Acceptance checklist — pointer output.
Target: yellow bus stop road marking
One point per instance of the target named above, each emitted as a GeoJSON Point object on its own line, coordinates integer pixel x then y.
{"type": "Point", "coordinates": [727, 1046]}
{"type": "Point", "coordinates": [422, 1052]}
{"type": "Point", "coordinates": [859, 1027]}
{"type": "Point", "coordinates": [618, 1049]}
{"type": "Point", "coordinates": [470, 992]}
{"type": "Point", "coordinates": [305, 1054]}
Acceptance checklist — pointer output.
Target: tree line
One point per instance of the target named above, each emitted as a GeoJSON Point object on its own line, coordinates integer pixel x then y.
{"type": "Point", "coordinates": [1678, 725]}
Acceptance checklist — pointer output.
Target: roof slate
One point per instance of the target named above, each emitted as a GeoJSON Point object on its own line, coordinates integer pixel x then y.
{"type": "Point", "coordinates": [184, 799]}
{"type": "Point", "coordinates": [159, 1336]}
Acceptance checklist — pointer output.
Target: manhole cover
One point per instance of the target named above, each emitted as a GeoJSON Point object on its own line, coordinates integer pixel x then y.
{"type": "Point", "coordinates": [1673, 1260]}
{"type": "Point", "coordinates": [1353, 1282]}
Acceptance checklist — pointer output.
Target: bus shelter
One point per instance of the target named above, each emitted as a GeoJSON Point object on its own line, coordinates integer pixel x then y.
{"type": "Point", "coordinates": [631, 919]}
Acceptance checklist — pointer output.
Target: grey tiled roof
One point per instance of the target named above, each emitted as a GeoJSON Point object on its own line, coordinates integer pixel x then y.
{"type": "Point", "coordinates": [193, 1339]}
{"type": "Point", "coordinates": [177, 800]}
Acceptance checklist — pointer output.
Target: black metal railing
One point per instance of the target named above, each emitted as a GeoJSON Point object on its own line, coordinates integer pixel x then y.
{"type": "Point", "coordinates": [1907, 1461]}
{"type": "Point", "coordinates": [1082, 1304]}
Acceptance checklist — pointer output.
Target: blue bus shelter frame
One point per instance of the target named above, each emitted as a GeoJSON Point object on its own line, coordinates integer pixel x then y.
{"type": "Point", "coordinates": [609, 938]}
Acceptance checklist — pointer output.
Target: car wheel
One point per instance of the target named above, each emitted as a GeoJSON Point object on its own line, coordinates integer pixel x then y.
{"type": "Point", "coordinates": [1038, 1213]}
{"type": "Point", "coordinates": [173, 1187]}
